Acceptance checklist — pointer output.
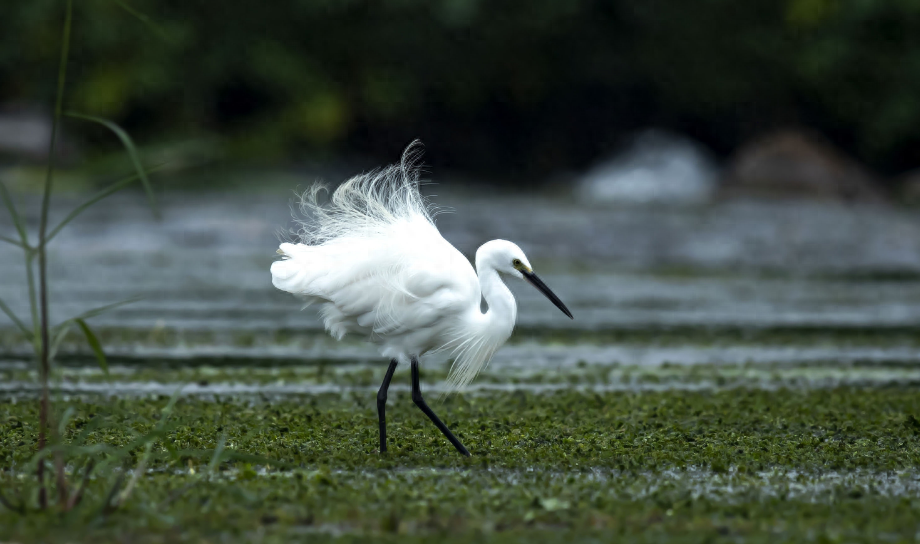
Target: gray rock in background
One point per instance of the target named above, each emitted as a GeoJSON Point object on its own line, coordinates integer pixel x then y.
{"type": "Point", "coordinates": [25, 132]}
{"type": "Point", "coordinates": [800, 165]}
{"type": "Point", "coordinates": [656, 168]}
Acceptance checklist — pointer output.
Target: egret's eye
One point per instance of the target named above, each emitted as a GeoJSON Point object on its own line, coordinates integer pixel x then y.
{"type": "Point", "coordinates": [516, 263]}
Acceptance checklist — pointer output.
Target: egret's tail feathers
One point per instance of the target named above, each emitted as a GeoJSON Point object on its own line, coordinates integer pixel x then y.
{"type": "Point", "coordinates": [291, 251]}
{"type": "Point", "coordinates": [289, 274]}
{"type": "Point", "coordinates": [367, 205]}
{"type": "Point", "coordinates": [300, 271]}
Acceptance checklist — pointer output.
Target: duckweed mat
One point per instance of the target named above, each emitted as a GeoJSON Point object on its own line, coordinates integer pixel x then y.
{"type": "Point", "coordinates": [732, 465]}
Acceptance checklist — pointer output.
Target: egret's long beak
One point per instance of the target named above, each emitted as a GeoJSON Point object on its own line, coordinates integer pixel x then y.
{"type": "Point", "coordinates": [538, 283]}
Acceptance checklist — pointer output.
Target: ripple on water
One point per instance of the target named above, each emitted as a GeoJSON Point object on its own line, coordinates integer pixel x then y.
{"type": "Point", "coordinates": [526, 357]}
{"type": "Point", "coordinates": [224, 284]}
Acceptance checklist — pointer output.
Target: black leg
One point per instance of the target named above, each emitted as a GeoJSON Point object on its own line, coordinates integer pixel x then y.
{"type": "Point", "coordinates": [382, 404]}
{"type": "Point", "coordinates": [420, 402]}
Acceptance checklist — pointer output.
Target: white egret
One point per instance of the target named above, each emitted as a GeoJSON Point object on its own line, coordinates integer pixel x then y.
{"type": "Point", "coordinates": [373, 260]}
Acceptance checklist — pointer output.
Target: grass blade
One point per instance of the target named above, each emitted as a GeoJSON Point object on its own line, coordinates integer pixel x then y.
{"type": "Point", "coordinates": [135, 476]}
{"type": "Point", "coordinates": [65, 420]}
{"type": "Point", "coordinates": [130, 148]}
{"type": "Point", "coordinates": [78, 494]}
{"type": "Point", "coordinates": [107, 507]}
{"type": "Point", "coordinates": [63, 328]}
{"type": "Point", "coordinates": [10, 506]}
{"type": "Point", "coordinates": [14, 215]}
{"type": "Point", "coordinates": [59, 337]}
{"type": "Point", "coordinates": [94, 344]}
{"type": "Point", "coordinates": [11, 241]}
{"type": "Point", "coordinates": [43, 330]}
{"type": "Point", "coordinates": [87, 429]}
{"type": "Point", "coordinates": [19, 324]}
{"type": "Point", "coordinates": [100, 310]}
{"type": "Point", "coordinates": [33, 299]}
{"type": "Point", "coordinates": [215, 461]}
{"type": "Point", "coordinates": [76, 451]}
{"type": "Point", "coordinates": [111, 455]}
{"type": "Point", "coordinates": [212, 468]}
{"type": "Point", "coordinates": [60, 479]}
{"type": "Point", "coordinates": [108, 191]}
{"type": "Point", "coordinates": [147, 21]}
{"type": "Point", "coordinates": [167, 410]}
{"type": "Point", "coordinates": [142, 466]}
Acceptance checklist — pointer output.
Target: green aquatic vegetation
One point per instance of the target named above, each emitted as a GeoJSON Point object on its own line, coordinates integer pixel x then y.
{"type": "Point", "coordinates": [841, 428]}
{"type": "Point", "coordinates": [741, 463]}
{"type": "Point", "coordinates": [368, 376]}
{"type": "Point", "coordinates": [310, 505]}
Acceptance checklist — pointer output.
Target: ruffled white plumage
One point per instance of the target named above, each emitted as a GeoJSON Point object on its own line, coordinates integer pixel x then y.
{"type": "Point", "coordinates": [374, 261]}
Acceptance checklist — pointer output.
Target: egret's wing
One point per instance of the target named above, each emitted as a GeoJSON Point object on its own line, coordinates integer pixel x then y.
{"type": "Point", "coordinates": [380, 286]}
{"type": "Point", "coordinates": [397, 302]}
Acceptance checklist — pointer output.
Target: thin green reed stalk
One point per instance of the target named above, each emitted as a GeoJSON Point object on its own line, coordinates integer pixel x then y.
{"type": "Point", "coordinates": [45, 339]}
{"type": "Point", "coordinates": [44, 360]}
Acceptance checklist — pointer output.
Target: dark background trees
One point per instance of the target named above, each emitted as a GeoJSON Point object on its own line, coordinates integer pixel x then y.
{"type": "Point", "coordinates": [510, 90]}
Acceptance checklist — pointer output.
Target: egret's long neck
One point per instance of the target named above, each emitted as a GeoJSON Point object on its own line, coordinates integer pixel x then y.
{"type": "Point", "coordinates": [479, 335]}
{"type": "Point", "coordinates": [502, 311]}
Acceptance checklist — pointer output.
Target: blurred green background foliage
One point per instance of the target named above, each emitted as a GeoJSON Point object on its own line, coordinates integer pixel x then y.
{"type": "Point", "coordinates": [508, 89]}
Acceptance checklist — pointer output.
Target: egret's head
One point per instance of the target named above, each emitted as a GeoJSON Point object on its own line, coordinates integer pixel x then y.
{"type": "Point", "coordinates": [504, 256]}
{"type": "Point", "coordinates": [507, 258]}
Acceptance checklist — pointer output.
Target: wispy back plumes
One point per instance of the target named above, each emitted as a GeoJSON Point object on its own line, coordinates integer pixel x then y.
{"type": "Point", "coordinates": [367, 205]}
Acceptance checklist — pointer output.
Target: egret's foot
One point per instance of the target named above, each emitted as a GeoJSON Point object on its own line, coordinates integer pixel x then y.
{"type": "Point", "coordinates": [420, 402]}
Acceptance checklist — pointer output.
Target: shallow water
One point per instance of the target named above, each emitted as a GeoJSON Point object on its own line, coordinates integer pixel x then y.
{"type": "Point", "coordinates": [512, 357]}
{"type": "Point", "coordinates": [205, 265]}
{"type": "Point", "coordinates": [203, 273]}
